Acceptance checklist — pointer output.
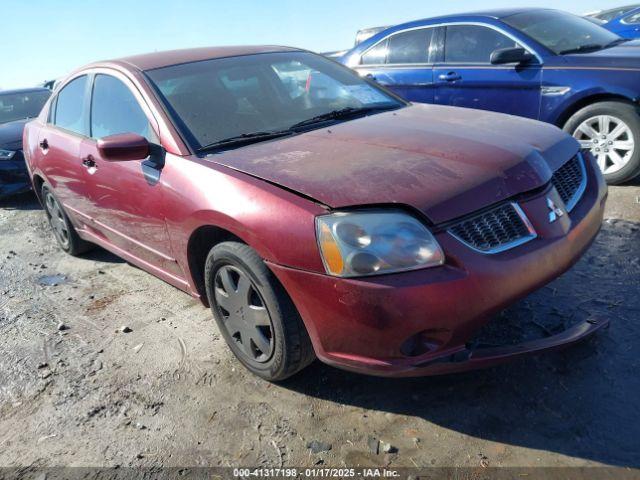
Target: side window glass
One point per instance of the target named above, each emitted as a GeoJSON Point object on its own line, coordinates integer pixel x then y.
{"type": "Point", "coordinates": [410, 47]}
{"type": "Point", "coordinates": [70, 106]}
{"type": "Point", "coordinates": [376, 56]}
{"type": "Point", "coordinates": [473, 43]}
{"type": "Point", "coordinates": [114, 109]}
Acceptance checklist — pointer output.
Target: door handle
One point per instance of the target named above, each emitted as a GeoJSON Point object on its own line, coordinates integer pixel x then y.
{"type": "Point", "coordinates": [89, 162]}
{"type": "Point", "coordinates": [371, 76]}
{"type": "Point", "coordinates": [44, 144]}
{"type": "Point", "coordinates": [449, 77]}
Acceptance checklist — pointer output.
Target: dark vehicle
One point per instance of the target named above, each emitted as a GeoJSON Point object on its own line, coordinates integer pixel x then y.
{"type": "Point", "coordinates": [538, 63]}
{"type": "Point", "coordinates": [315, 212]}
{"type": "Point", "coordinates": [16, 108]}
{"type": "Point", "coordinates": [624, 21]}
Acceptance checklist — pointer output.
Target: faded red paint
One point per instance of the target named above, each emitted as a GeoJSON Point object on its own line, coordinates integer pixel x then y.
{"type": "Point", "coordinates": [439, 162]}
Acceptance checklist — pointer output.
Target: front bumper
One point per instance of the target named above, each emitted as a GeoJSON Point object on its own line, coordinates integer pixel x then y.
{"type": "Point", "coordinates": [14, 177]}
{"type": "Point", "coordinates": [364, 324]}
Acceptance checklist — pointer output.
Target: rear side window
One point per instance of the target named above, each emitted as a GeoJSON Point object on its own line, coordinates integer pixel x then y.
{"type": "Point", "coordinates": [377, 55]}
{"type": "Point", "coordinates": [70, 106]}
{"type": "Point", "coordinates": [473, 43]}
{"type": "Point", "coordinates": [410, 47]}
{"type": "Point", "coordinates": [114, 109]}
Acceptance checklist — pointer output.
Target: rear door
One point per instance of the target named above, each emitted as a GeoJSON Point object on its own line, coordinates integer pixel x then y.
{"type": "Point", "coordinates": [60, 144]}
{"type": "Point", "coordinates": [465, 77]}
{"type": "Point", "coordinates": [403, 62]}
{"type": "Point", "coordinates": [127, 205]}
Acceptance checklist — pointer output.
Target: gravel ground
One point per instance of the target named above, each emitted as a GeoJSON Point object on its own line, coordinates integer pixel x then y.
{"type": "Point", "coordinates": [77, 390]}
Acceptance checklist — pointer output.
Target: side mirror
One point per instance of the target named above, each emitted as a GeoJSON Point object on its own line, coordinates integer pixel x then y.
{"type": "Point", "coordinates": [510, 55]}
{"type": "Point", "coordinates": [123, 146]}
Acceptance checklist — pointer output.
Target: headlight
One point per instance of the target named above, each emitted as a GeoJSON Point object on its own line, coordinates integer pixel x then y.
{"type": "Point", "coordinates": [6, 154]}
{"type": "Point", "coordinates": [354, 244]}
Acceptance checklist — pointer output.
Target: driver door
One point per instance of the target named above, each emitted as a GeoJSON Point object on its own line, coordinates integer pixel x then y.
{"type": "Point", "coordinates": [465, 76]}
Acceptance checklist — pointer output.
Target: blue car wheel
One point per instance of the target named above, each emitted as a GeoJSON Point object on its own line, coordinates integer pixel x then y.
{"type": "Point", "coordinates": [611, 131]}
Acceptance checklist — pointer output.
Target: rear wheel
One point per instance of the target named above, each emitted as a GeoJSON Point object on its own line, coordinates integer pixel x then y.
{"type": "Point", "coordinates": [611, 131]}
{"type": "Point", "coordinates": [63, 229]}
{"type": "Point", "coordinates": [254, 313]}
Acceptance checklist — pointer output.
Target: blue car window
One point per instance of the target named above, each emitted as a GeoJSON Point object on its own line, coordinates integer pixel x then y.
{"type": "Point", "coordinates": [410, 47]}
{"type": "Point", "coordinates": [473, 43]}
{"type": "Point", "coordinates": [377, 55]}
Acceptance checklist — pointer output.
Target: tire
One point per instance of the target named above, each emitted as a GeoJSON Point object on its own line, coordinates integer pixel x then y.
{"type": "Point", "coordinates": [254, 313]}
{"type": "Point", "coordinates": [620, 123]}
{"type": "Point", "coordinates": [63, 230]}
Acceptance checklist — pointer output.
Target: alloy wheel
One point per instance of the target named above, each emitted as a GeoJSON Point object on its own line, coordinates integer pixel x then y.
{"type": "Point", "coordinates": [610, 140]}
{"type": "Point", "coordinates": [57, 220]}
{"type": "Point", "coordinates": [244, 314]}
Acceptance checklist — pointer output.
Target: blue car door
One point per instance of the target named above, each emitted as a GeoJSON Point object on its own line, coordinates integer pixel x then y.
{"type": "Point", "coordinates": [465, 77]}
{"type": "Point", "coordinates": [403, 62]}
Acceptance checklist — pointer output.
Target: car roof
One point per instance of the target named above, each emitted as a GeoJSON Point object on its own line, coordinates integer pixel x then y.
{"type": "Point", "coordinates": [24, 90]}
{"type": "Point", "coordinates": [150, 61]}
{"type": "Point", "coordinates": [491, 13]}
{"type": "Point", "coordinates": [495, 14]}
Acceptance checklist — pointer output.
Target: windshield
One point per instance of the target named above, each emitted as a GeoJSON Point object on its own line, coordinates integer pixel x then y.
{"type": "Point", "coordinates": [218, 99]}
{"type": "Point", "coordinates": [562, 32]}
{"type": "Point", "coordinates": [18, 106]}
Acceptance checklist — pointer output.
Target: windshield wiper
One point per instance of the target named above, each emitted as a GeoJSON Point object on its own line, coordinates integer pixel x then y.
{"type": "Point", "coordinates": [340, 114]}
{"type": "Point", "coordinates": [591, 47]}
{"type": "Point", "coordinates": [617, 41]}
{"type": "Point", "coordinates": [244, 139]}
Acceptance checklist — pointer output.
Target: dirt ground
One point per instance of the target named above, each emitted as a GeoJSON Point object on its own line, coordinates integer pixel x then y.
{"type": "Point", "coordinates": [169, 392]}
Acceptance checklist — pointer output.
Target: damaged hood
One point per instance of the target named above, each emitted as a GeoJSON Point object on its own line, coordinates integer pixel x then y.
{"type": "Point", "coordinates": [446, 162]}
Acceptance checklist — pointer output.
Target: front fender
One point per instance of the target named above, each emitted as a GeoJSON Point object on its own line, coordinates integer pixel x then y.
{"type": "Point", "coordinates": [277, 223]}
{"type": "Point", "coordinates": [584, 84]}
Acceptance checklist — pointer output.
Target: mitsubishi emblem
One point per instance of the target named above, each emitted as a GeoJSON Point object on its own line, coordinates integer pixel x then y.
{"type": "Point", "coordinates": [555, 211]}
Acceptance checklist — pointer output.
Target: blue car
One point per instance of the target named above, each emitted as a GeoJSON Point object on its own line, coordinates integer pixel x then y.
{"type": "Point", "coordinates": [625, 21]}
{"type": "Point", "coordinates": [543, 64]}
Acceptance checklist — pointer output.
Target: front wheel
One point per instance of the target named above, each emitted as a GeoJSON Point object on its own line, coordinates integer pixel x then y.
{"type": "Point", "coordinates": [611, 131]}
{"type": "Point", "coordinates": [254, 313]}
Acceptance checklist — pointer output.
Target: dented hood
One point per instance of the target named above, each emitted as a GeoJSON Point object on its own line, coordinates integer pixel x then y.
{"type": "Point", "coordinates": [444, 161]}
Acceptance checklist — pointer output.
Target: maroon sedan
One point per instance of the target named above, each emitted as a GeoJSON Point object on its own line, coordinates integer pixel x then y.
{"type": "Point", "coordinates": [315, 212]}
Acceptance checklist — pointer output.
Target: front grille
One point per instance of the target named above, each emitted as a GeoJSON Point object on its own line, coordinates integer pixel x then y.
{"type": "Point", "coordinates": [496, 230]}
{"type": "Point", "coordinates": [570, 181]}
